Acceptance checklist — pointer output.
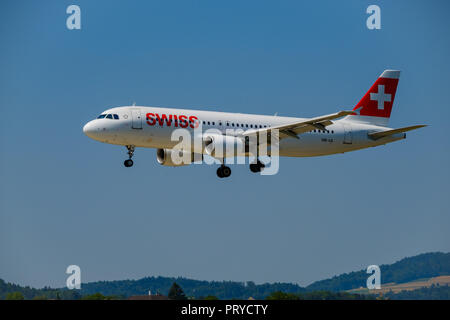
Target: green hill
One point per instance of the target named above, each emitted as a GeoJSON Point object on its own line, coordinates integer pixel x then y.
{"type": "Point", "coordinates": [409, 269]}
{"type": "Point", "coordinates": [425, 265]}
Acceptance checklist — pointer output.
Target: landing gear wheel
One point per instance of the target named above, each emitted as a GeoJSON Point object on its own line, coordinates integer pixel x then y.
{"type": "Point", "coordinates": [128, 163]}
{"type": "Point", "coordinates": [226, 171]}
{"type": "Point", "coordinates": [219, 172]}
{"type": "Point", "coordinates": [256, 167]}
{"type": "Point", "coordinates": [223, 171]}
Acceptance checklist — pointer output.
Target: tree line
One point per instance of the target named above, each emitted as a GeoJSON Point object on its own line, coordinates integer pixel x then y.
{"type": "Point", "coordinates": [435, 292]}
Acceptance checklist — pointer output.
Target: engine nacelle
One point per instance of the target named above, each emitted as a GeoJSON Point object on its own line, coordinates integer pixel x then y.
{"type": "Point", "coordinates": [221, 146]}
{"type": "Point", "coordinates": [164, 157]}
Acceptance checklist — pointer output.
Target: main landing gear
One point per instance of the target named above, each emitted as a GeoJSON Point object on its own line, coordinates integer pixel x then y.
{"type": "Point", "coordinates": [256, 167]}
{"type": "Point", "coordinates": [223, 171]}
{"type": "Point", "coordinates": [129, 163]}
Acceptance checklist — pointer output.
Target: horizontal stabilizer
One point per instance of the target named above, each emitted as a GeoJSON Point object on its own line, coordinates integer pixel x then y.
{"type": "Point", "coordinates": [382, 134]}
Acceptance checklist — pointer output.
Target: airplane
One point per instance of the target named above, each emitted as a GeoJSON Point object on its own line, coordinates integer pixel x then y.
{"type": "Point", "coordinates": [365, 126]}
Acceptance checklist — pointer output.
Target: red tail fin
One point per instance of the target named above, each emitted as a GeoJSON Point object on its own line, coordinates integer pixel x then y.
{"type": "Point", "coordinates": [378, 101]}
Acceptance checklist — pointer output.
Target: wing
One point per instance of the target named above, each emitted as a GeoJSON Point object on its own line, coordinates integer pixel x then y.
{"type": "Point", "coordinates": [382, 134]}
{"type": "Point", "coordinates": [295, 128]}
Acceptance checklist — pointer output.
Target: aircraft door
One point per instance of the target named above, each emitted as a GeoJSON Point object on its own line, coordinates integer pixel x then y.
{"type": "Point", "coordinates": [348, 136]}
{"type": "Point", "coordinates": [136, 118]}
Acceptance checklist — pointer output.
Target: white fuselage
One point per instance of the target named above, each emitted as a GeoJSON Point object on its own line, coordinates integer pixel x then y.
{"type": "Point", "coordinates": [136, 127]}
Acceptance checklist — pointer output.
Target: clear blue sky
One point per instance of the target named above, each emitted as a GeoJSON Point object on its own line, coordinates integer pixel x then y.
{"type": "Point", "coordinates": [66, 199]}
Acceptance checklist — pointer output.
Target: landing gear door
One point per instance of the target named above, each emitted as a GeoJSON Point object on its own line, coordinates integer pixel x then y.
{"type": "Point", "coordinates": [348, 137]}
{"type": "Point", "coordinates": [136, 118]}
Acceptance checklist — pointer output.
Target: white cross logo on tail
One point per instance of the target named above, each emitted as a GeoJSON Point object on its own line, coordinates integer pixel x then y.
{"type": "Point", "coordinates": [381, 97]}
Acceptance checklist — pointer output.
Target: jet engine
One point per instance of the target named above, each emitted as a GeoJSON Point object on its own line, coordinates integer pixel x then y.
{"type": "Point", "coordinates": [168, 157]}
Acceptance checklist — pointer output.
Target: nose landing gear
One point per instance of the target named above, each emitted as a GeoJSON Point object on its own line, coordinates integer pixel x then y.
{"type": "Point", "coordinates": [129, 163]}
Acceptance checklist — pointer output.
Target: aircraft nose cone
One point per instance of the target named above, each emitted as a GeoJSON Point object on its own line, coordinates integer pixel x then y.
{"type": "Point", "coordinates": [89, 129]}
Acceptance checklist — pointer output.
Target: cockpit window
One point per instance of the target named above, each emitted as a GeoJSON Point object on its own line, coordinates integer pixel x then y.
{"type": "Point", "coordinates": [108, 116]}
